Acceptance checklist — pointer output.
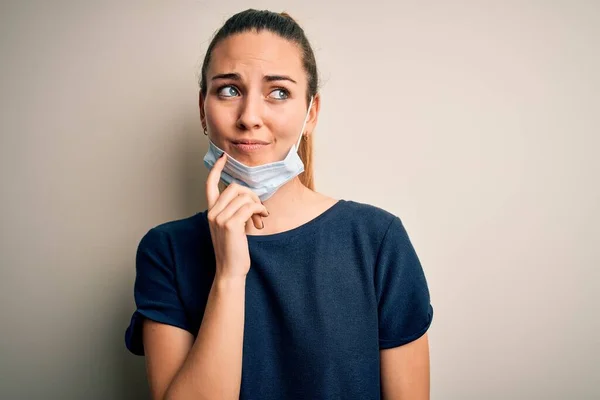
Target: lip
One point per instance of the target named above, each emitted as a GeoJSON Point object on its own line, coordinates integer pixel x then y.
{"type": "Point", "coordinates": [249, 146]}
{"type": "Point", "coordinates": [249, 141]}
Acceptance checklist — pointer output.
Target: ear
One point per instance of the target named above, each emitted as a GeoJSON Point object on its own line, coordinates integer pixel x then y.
{"type": "Point", "coordinates": [313, 115]}
{"type": "Point", "coordinates": [201, 107]}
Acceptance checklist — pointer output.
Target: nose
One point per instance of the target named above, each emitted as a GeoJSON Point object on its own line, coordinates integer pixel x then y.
{"type": "Point", "coordinates": [250, 114]}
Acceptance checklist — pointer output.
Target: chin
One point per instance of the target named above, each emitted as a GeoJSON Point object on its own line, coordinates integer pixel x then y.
{"type": "Point", "coordinates": [251, 160]}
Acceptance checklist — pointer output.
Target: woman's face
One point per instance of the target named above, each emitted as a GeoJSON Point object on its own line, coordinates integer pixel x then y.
{"type": "Point", "coordinates": [255, 102]}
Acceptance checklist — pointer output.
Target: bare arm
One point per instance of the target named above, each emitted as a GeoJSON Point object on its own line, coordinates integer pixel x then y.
{"type": "Point", "coordinates": [210, 368]}
{"type": "Point", "coordinates": [405, 371]}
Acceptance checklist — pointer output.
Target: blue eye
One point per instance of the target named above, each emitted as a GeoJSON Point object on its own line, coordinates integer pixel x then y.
{"type": "Point", "coordinates": [228, 91]}
{"type": "Point", "coordinates": [282, 94]}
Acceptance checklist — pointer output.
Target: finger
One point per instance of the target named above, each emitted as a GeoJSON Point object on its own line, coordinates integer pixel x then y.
{"type": "Point", "coordinates": [231, 192]}
{"type": "Point", "coordinates": [235, 205]}
{"type": "Point", "coordinates": [257, 220]}
{"type": "Point", "coordinates": [212, 182]}
{"type": "Point", "coordinates": [244, 213]}
{"type": "Point", "coordinates": [230, 208]}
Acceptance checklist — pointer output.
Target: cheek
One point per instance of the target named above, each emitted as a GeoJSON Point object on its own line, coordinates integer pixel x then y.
{"type": "Point", "coordinates": [217, 118]}
{"type": "Point", "coordinates": [287, 127]}
{"type": "Point", "coordinates": [218, 123]}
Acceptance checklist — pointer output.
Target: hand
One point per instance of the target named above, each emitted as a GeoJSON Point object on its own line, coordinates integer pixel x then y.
{"type": "Point", "coordinates": [228, 213]}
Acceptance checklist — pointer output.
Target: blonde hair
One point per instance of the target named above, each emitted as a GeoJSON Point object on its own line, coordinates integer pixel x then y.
{"type": "Point", "coordinates": [306, 146]}
{"type": "Point", "coordinates": [306, 155]}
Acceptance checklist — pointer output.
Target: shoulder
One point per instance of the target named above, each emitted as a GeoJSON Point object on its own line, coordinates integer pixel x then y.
{"type": "Point", "coordinates": [369, 217]}
{"type": "Point", "coordinates": [176, 233]}
{"type": "Point", "coordinates": [369, 210]}
{"type": "Point", "coordinates": [368, 226]}
{"type": "Point", "coordinates": [183, 226]}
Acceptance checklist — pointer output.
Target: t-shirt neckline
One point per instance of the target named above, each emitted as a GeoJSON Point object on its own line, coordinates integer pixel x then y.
{"type": "Point", "coordinates": [300, 229]}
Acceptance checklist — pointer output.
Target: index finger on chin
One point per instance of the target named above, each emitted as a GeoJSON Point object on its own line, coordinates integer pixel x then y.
{"type": "Point", "coordinates": [212, 182]}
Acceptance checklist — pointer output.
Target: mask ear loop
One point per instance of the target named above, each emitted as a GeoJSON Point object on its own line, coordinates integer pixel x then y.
{"type": "Point", "coordinates": [304, 125]}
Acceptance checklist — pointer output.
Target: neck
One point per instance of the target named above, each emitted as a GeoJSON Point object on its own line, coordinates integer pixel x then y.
{"type": "Point", "coordinates": [283, 205]}
{"type": "Point", "coordinates": [288, 197]}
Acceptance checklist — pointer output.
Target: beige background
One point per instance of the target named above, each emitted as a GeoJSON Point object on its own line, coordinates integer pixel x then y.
{"type": "Point", "coordinates": [476, 122]}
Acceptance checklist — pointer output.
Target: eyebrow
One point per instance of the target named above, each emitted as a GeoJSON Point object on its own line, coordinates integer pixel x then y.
{"type": "Point", "coordinates": [268, 78]}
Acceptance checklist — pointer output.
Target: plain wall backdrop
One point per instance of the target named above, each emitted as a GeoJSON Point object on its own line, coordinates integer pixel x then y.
{"type": "Point", "coordinates": [476, 122]}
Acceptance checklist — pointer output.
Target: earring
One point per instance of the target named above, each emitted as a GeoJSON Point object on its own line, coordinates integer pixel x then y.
{"type": "Point", "coordinates": [205, 131]}
{"type": "Point", "coordinates": [305, 137]}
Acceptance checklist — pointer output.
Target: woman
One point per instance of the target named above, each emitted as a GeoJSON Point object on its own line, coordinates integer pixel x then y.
{"type": "Point", "coordinates": [276, 291]}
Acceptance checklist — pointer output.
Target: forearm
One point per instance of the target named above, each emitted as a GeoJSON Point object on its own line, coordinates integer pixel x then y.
{"type": "Point", "coordinates": [213, 367]}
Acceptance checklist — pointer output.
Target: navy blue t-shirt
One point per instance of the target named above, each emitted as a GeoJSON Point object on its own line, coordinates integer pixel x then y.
{"type": "Point", "coordinates": [322, 299]}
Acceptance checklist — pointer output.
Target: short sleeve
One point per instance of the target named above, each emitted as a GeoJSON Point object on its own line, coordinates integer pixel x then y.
{"type": "Point", "coordinates": [155, 289]}
{"type": "Point", "coordinates": [404, 308]}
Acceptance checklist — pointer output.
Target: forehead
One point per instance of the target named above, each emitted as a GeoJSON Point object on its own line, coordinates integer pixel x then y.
{"type": "Point", "coordinates": [252, 53]}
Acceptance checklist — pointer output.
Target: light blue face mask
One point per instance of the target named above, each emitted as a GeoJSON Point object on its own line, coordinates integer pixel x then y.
{"type": "Point", "coordinates": [264, 180]}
